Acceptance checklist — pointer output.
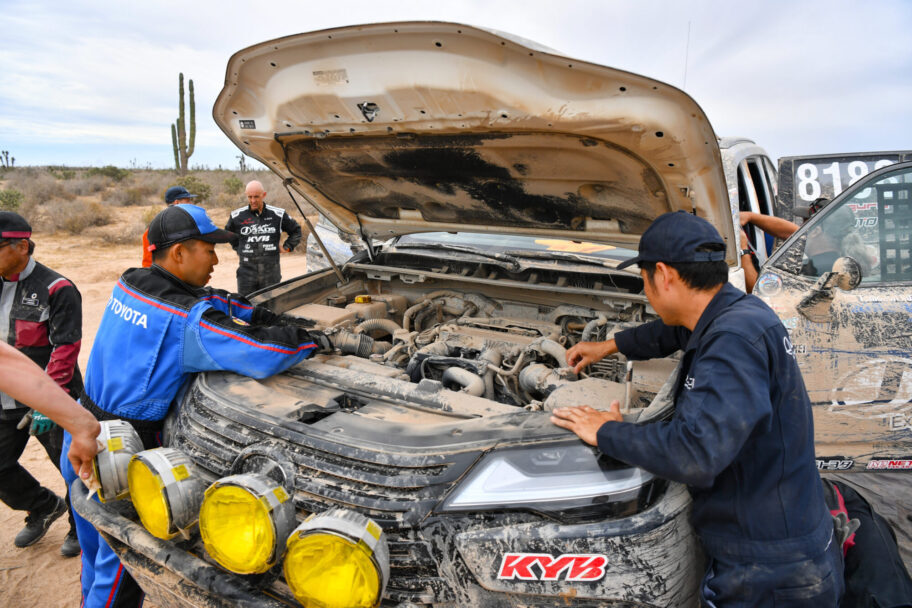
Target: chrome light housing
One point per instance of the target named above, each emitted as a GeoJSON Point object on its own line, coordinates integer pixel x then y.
{"type": "Point", "coordinates": [121, 442]}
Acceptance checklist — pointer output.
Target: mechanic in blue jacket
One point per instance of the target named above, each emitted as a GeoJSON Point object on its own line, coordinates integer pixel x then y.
{"type": "Point", "coordinates": [160, 326]}
{"type": "Point", "coordinates": [742, 434]}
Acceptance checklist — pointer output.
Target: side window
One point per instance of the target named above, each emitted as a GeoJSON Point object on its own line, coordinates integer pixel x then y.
{"type": "Point", "coordinates": [873, 226]}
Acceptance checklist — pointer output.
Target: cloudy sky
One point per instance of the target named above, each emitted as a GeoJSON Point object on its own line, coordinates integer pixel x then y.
{"type": "Point", "coordinates": [95, 82]}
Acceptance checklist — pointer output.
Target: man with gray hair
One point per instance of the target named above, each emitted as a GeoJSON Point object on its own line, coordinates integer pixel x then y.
{"type": "Point", "coordinates": [259, 228]}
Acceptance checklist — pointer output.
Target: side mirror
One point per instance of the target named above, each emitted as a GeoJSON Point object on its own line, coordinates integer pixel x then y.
{"type": "Point", "coordinates": [846, 275]}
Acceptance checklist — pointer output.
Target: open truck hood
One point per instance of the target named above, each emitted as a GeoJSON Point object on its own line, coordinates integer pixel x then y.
{"type": "Point", "coordinates": [397, 128]}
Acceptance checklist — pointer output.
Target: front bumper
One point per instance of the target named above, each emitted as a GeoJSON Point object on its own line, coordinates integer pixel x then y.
{"type": "Point", "coordinates": [652, 560]}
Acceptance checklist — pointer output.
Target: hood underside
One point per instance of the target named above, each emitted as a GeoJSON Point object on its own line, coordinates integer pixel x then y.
{"type": "Point", "coordinates": [396, 128]}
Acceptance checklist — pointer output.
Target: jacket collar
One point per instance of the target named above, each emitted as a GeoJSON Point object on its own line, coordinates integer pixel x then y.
{"type": "Point", "coordinates": [29, 267]}
{"type": "Point", "coordinates": [722, 300]}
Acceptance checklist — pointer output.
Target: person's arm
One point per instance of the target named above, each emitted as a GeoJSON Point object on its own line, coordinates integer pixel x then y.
{"type": "Point", "coordinates": [25, 382]}
{"type": "Point", "coordinates": [293, 229]}
{"type": "Point", "coordinates": [647, 341]}
{"type": "Point", "coordinates": [770, 224]}
{"type": "Point", "coordinates": [710, 427]}
{"type": "Point", "coordinates": [64, 331]}
{"type": "Point", "coordinates": [213, 340]}
{"type": "Point", "coordinates": [747, 263]}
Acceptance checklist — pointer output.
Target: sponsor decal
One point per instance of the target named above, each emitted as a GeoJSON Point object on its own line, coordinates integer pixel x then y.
{"type": "Point", "coordinates": [769, 284]}
{"type": "Point", "coordinates": [544, 567]}
{"type": "Point", "coordinates": [247, 124]}
{"type": "Point", "coordinates": [239, 321]}
{"type": "Point", "coordinates": [127, 314]}
{"type": "Point", "coordinates": [893, 464]}
{"type": "Point", "coordinates": [30, 299]}
{"type": "Point", "coordinates": [257, 229]}
{"type": "Point", "coordinates": [689, 382]}
{"type": "Point", "coordinates": [835, 463]}
{"type": "Point", "coordinates": [899, 422]}
{"type": "Point", "coordinates": [787, 345]}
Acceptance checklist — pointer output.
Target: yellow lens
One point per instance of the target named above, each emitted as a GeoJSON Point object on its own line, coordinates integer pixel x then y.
{"type": "Point", "coordinates": [237, 530]}
{"type": "Point", "coordinates": [327, 571]}
{"type": "Point", "coordinates": [148, 497]}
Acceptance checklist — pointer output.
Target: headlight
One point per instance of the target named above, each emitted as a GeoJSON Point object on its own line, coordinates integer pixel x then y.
{"type": "Point", "coordinates": [244, 521]}
{"type": "Point", "coordinates": [338, 559]}
{"type": "Point", "coordinates": [165, 492]}
{"type": "Point", "coordinates": [565, 480]}
{"type": "Point", "coordinates": [110, 465]}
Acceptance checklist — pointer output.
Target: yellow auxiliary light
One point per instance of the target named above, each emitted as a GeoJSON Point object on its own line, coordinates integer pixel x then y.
{"type": "Point", "coordinates": [120, 442]}
{"type": "Point", "coordinates": [165, 491]}
{"type": "Point", "coordinates": [337, 559]}
{"type": "Point", "coordinates": [244, 522]}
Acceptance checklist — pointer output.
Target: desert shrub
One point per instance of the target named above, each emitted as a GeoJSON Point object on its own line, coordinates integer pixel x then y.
{"type": "Point", "coordinates": [115, 173]}
{"type": "Point", "coordinates": [229, 201]}
{"type": "Point", "coordinates": [148, 215]}
{"type": "Point", "coordinates": [38, 187]}
{"type": "Point", "coordinates": [233, 185]}
{"type": "Point", "coordinates": [76, 216]}
{"type": "Point", "coordinates": [60, 172]}
{"type": "Point", "coordinates": [85, 186]}
{"type": "Point", "coordinates": [127, 197]}
{"type": "Point", "coordinates": [196, 186]}
{"type": "Point", "coordinates": [10, 200]}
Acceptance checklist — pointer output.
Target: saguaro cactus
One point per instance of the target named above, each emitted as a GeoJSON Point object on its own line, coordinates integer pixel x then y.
{"type": "Point", "coordinates": [183, 151]}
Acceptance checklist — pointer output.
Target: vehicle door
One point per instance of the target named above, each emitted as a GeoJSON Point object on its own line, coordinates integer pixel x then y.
{"type": "Point", "coordinates": [756, 193]}
{"type": "Point", "coordinates": [854, 346]}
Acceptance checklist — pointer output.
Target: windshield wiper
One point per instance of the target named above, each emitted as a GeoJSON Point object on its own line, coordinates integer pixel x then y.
{"type": "Point", "coordinates": [505, 260]}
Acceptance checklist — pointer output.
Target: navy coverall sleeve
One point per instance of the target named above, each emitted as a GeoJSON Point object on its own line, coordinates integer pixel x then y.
{"type": "Point", "coordinates": [721, 402]}
{"type": "Point", "coordinates": [651, 340]}
{"type": "Point", "coordinates": [293, 229]}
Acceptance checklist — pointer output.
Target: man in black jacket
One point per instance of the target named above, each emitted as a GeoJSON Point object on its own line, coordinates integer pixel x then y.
{"type": "Point", "coordinates": [259, 228]}
{"type": "Point", "coordinates": [41, 316]}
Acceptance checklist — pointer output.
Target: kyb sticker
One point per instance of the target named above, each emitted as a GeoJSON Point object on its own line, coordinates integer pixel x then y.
{"type": "Point", "coordinates": [544, 567]}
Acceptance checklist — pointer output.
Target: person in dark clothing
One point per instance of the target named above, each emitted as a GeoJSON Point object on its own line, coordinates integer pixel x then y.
{"type": "Point", "coordinates": [259, 228]}
{"type": "Point", "coordinates": [41, 316]}
{"type": "Point", "coordinates": [160, 326]}
{"type": "Point", "coordinates": [742, 435]}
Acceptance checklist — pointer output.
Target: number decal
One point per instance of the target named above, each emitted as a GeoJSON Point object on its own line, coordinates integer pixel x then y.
{"type": "Point", "coordinates": [808, 186]}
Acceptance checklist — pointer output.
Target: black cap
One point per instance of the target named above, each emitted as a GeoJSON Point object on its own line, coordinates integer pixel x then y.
{"type": "Point", "coordinates": [184, 222]}
{"type": "Point", "coordinates": [675, 237]}
{"type": "Point", "coordinates": [14, 226]}
{"type": "Point", "coordinates": [176, 193]}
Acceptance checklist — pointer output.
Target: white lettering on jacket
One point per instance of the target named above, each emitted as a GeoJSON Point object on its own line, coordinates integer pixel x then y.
{"type": "Point", "coordinates": [126, 313]}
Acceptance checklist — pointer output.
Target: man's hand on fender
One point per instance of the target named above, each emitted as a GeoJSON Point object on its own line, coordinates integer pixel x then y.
{"type": "Point", "coordinates": [585, 421]}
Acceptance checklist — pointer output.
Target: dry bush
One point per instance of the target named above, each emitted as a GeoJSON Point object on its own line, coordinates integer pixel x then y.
{"type": "Point", "coordinates": [120, 234]}
{"type": "Point", "coordinates": [74, 216]}
{"type": "Point", "coordinates": [85, 186]}
{"type": "Point", "coordinates": [127, 197]}
{"type": "Point", "coordinates": [38, 187]}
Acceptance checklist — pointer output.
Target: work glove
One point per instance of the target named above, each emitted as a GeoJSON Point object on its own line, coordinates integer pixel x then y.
{"type": "Point", "coordinates": [323, 342]}
{"type": "Point", "coordinates": [844, 527]}
{"type": "Point", "coordinates": [38, 423]}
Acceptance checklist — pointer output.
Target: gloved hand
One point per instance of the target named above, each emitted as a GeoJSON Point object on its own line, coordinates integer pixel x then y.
{"type": "Point", "coordinates": [323, 342]}
{"type": "Point", "coordinates": [40, 423]}
{"type": "Point", "coordinates": [844, 527]}
{"type": "Point", "coordinates": [293, 321]}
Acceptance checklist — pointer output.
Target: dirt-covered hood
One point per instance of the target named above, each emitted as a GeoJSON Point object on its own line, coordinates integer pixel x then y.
{"type": "Point", "coordinates": [413, 127]}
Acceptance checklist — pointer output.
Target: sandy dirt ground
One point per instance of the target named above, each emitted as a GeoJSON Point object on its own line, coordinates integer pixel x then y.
{"type": "Point", "coordinates": [39, 575]}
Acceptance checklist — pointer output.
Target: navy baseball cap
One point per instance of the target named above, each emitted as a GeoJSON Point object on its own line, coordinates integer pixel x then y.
{"type": "Point", "coordinates": [176, 193]}
{"type": "Point", "coordinates": [14, 226]}
{"type": "Point", "coordinates": [184, 222]}
{"type": "Point", "coordinates": [675, 237]}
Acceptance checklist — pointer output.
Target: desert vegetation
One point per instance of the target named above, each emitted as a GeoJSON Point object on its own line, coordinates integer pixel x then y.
{"type": "Point", "coordinates": [114, 205]}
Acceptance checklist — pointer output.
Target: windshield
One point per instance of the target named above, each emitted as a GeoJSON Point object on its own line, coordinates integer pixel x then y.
{"type": "Point", "coordinates": [517, 244]}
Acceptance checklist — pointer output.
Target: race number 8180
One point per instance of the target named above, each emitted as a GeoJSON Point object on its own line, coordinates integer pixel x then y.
{"type": "Point", "coordinates": [815, 180]}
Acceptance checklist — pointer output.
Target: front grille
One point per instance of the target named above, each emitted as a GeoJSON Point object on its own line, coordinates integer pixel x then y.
{"type": "Point", "coordinates": [395, 490]}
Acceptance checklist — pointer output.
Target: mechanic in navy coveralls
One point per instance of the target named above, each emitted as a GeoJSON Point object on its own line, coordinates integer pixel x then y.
{"type": "Point", "coordinates": [160, 326]}
{"type": "Point", "coordinates": [742, 435]}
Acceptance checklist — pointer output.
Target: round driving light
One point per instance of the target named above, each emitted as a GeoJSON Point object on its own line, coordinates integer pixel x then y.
{"type": "Point", "coordinates": [244, 522]}
{"type": "Point", "coordinates": [120, 442]}
{"type": "Point", "coordinates": [337, 559]}
{"type": "Point", "coordinates": [165, 491]}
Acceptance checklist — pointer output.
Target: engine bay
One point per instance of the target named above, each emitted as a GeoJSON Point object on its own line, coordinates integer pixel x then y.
{"type": "Point", "coordinates": [502, 345]}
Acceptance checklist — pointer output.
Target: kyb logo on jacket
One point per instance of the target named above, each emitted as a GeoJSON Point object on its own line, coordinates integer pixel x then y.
{"type": "Point", "coordinates": [544, 567]}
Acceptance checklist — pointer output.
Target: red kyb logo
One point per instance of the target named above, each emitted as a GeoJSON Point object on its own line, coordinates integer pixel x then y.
{"type": "Point", "coordinates": [544, 567]}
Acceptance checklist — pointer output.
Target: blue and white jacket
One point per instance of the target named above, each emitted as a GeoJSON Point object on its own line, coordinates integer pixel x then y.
{"type": "Point", "coordinates": [157, 330]}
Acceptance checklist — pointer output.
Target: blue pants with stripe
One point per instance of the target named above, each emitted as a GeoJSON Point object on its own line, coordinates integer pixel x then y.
{"type": "Point", "coordinates": [105, 582]}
